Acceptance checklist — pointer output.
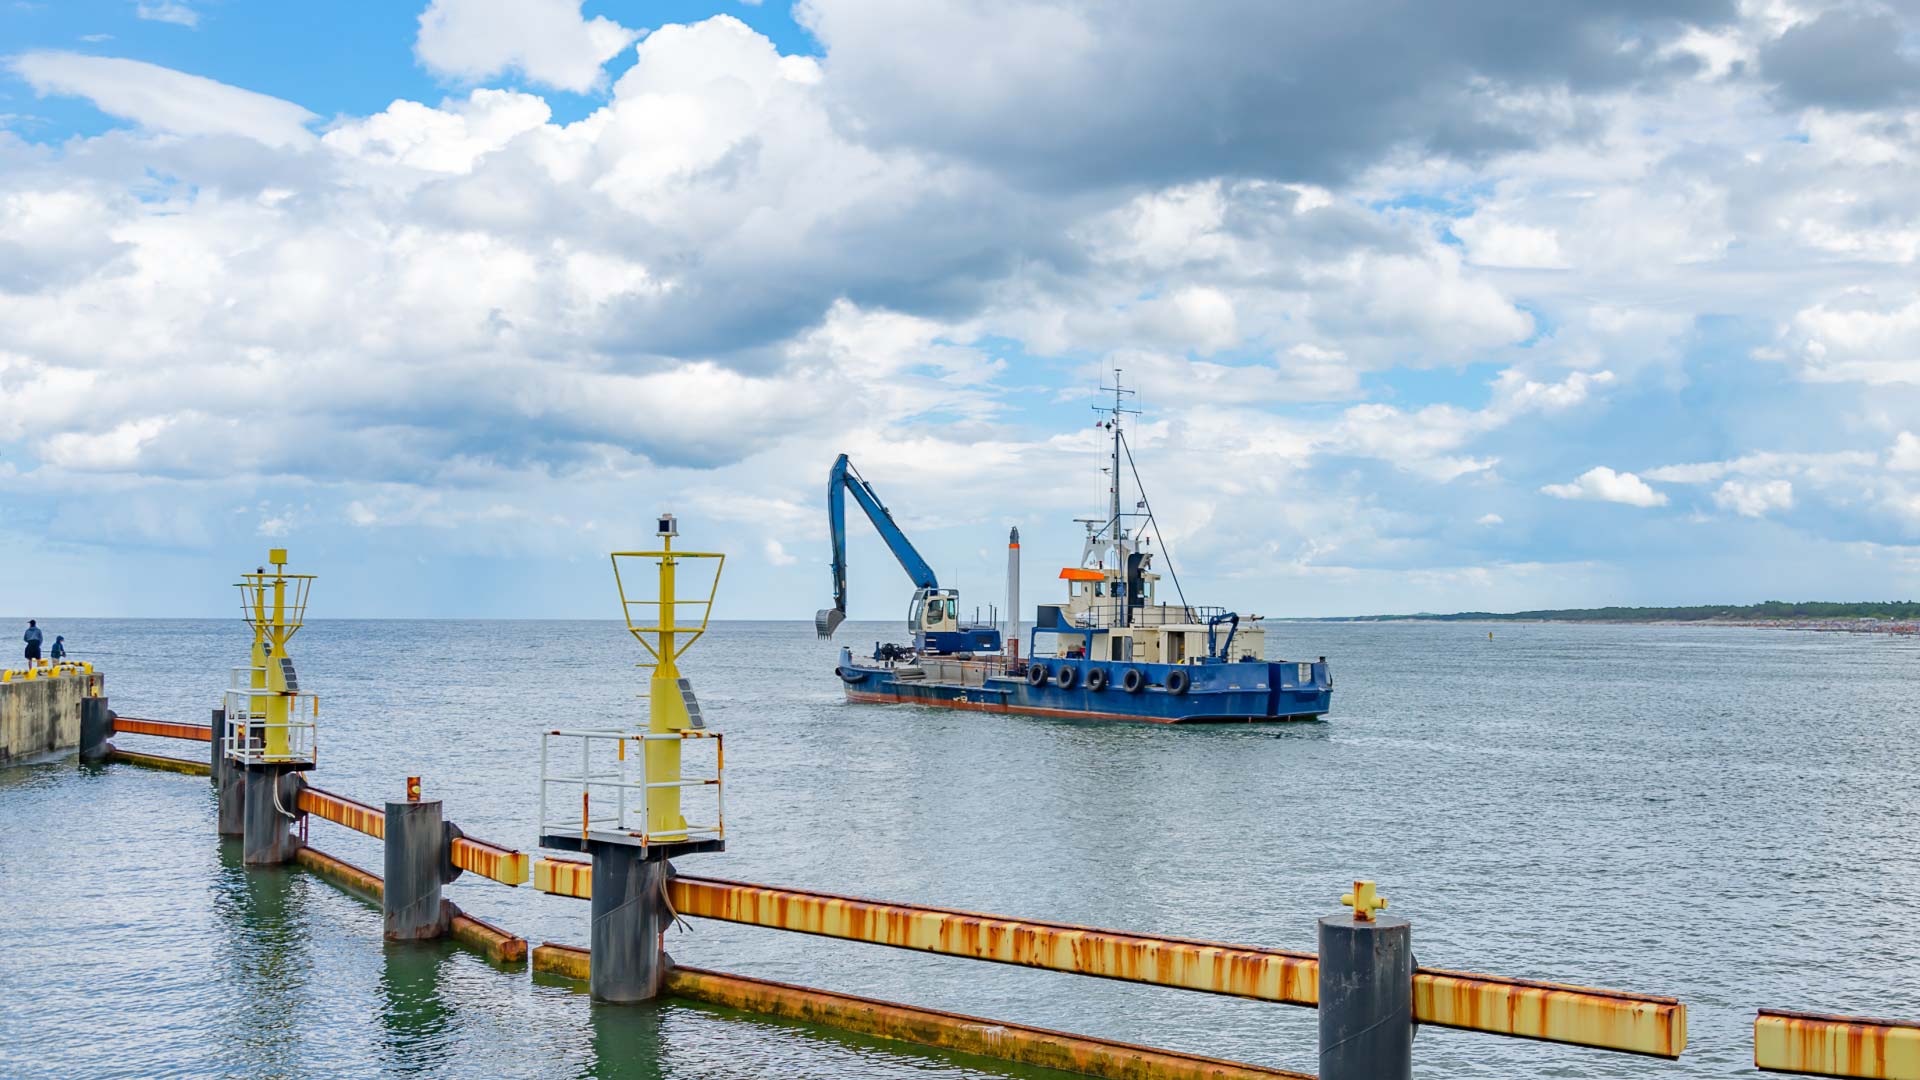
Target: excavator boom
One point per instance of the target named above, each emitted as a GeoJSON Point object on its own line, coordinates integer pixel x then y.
{"type": "Point", "coordinates": [843, 479]}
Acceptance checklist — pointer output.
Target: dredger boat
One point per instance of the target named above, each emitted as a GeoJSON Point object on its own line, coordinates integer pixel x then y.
{"type": "Point", "coordinates": [1114, 649]}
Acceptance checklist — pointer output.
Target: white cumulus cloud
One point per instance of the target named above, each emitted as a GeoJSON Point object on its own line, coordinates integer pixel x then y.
{"type": "Point", "coordinates": [1603, 484]}
{"type": "Point", "coordinates": [162, 99]}
{"type": "Point", "coordinates": [168, 11]}
{"type": "Point", "coordinates": [1754, 498]}
{"type": "Point", "coordinates": [549, 41]}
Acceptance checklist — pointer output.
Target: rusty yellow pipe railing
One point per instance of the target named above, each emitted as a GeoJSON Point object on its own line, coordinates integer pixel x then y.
{"type": "Point", "coordinates": [929, 1027]}
{"type": "Point", "coordinates": [1291, 978]}
{"type": "Point", "coordinates": [1552, 1012]}
{"type": "Point", "coordinates": [1575, 1015]}
{"type": "Point", "coordinates": [1816, 1045]}
{"type": "Point", "coordinates": [504, 865]}
{"type": "Point", "coordinates": [341, 810]}
{"type": "Point", "coordinates": [166, 729]}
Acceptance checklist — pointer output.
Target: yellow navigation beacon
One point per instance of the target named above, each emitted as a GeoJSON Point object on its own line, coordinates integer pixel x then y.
{"type": "Point", "coordinates": [613, 805]}
{"type": "Point", "coordinates": [269, 721]}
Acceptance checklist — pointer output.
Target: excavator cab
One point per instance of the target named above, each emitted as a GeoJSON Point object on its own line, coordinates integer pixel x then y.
{"type": "Point", "coordinates": [934, 611]}
{"type": "Point", "coordinates": [934, 618]}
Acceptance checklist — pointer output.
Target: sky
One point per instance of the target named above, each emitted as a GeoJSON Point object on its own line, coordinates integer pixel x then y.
{"type": "Point", "coordinates": [1430, 307]}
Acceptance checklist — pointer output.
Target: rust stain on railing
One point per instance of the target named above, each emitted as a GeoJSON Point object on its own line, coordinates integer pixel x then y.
{"type": "Point", "coordinates": [1290, 978]}
{"type": "Point", "coordinates": [158, 761]}
{"type": "Point", "coordinates": [1553, 1012]}
{"type": "Point", "coordinates": [341, 810]}
{"type": "Point", "coordinates": [166, 729]}
{"type": "Point", "coordinates": [928, 1027]}
{"type": "Point", "coordinates": [968, 1034]}
{"type": "Point", "coordinates": [341, 872]}
{"type": "Point", "coordinates": [564, 877]}
{"type": "Point", "coordinates": [500, 946]}
{"type": "Point", "coordinates": [504, 865]}
{"type": "Point", "coordinates": [1817, 1045]}
{"type": "Point", "coordinates": [551, 958]}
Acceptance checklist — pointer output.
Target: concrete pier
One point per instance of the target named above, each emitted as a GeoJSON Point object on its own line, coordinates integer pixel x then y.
{"type": "Point", "coordinates": [96, 727]}
{"type": "Point", "coordinates": [41, 716]}
{"type": "Point", "coordinates": [629, 918]}
{"type": "Point", "coordinates": [230, 780]}
{"type": "Point", "coordinates": [416, 865]}
{"type": "Point", "coordinates": [1366, 998]}
{"type": "Point", "coordinates": [267, 837]}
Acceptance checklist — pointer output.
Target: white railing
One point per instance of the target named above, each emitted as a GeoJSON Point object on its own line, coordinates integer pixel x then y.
{"type": "Point", "coordinates": [594, 790]}
{"type": "Point", "coordinates": [248, 723]}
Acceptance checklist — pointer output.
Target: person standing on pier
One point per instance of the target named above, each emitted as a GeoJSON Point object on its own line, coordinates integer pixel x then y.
{"type": "Point", "coordinates": [33, 637]}
{"type": "Point", "coordinates": [59, 650]}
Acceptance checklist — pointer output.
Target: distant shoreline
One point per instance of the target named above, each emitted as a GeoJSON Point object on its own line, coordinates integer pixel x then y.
{"type": "Point", "coordinates": [1895, 618]}
{"type": "Point", "coordinates": [1863, 626]}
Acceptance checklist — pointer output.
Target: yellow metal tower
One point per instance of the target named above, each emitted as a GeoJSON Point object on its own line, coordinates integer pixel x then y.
{"type": "Point", "coordinates": [275, 605]}
{"type": "Point", "coordinates": [673, 713]}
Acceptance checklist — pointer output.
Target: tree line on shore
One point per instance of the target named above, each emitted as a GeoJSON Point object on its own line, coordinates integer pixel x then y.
{"type": "Point", "coordinates": [1770, 611]}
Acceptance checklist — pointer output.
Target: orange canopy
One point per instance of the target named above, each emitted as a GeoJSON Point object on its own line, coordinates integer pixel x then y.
{"type": "Point", "coordinates": [1074, 573]}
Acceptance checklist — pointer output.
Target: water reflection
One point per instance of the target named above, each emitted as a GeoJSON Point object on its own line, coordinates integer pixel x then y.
{"type": "Point", "coordinates": [416, 1017]}
{"type": "Point", "coordinates": [264, 913]}
{"type": "Point", "coordinates": [627, 1042]}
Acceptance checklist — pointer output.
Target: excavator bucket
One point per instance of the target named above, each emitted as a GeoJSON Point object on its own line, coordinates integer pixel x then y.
{"type": "Point", "coordinates": [826, 620]}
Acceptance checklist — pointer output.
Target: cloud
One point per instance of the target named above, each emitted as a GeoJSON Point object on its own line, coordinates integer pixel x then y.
{"type": "Point", "coordinates": [1489, 520]}
{"type": "Point", "coordinates": [776, 553]}
{"type": "Point", "coordinates": [1859, 336]}
{"type": "Point", "coordinates": [490, 319]}
{"type": "Point", "coordinates": [1904, 456]}
{"type": "Point", "coordinates": [1603, 484]}
{"type": "Point", "coordinates": [1844, 58]}
{"type": "Point", "coordinates": [166, 100]}
{"type": "Point", "coordinates": [1036, 93]}
{"type": "Point", "coordinates": [548, 41]}
{"type": "Point", "coordinates": [1754, 499]}
{"type": "Point", "coordinates": [1505, 244]}
{"type": "Point", "coordinates": [168, 11]}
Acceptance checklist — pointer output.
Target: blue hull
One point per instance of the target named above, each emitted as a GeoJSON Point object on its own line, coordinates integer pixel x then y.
{"type": "Point", "coordinates": [1218, 693]}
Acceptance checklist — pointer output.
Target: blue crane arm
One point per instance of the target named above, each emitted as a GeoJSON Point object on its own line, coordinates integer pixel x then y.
{"type": "Point", "coordinates": [842, 479]}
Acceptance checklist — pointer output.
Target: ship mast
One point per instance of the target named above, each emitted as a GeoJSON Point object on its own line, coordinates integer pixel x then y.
{"type": "Point", "coordinates": [1116, 537]}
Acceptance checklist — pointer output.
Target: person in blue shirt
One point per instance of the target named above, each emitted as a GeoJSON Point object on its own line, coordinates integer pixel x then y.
{"type": "Point", "coordinates": [59, 650]}
{"type": "Point", "coordinates": [33, 638]}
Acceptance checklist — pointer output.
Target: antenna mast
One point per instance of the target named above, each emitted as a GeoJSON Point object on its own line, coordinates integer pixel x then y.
{"type": "Point", "coordinates": [1116, 537]}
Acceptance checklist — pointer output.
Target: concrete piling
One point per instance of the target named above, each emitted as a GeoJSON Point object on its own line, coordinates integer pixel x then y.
{"type": "Point", "coordinates": [416, 864]}
{"type": "Point", "coordinates": [271, 793]}
{"type": "Point", "coordinates": [217, 728]}
{"type": "Point", "coordinates": [1366, 998]}
{"type": "Point", "coordinates": [630, 916]}
{"type": "Point", "coordinates": [230, 814]}
{"type": "Point", "coordinates": [96, 727]}
{"type": "Point", "coordinates": [230, 818]}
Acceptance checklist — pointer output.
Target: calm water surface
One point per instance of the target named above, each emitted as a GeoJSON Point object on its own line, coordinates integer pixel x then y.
{"type": "Point", "coordinates": [1728, 816]}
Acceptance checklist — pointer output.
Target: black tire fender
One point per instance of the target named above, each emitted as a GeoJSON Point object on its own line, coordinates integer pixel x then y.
{"type": "Point", "coordinates": [1133, 681]}
{"type": "Point", "coordinates": [1036, 675]}
{"type": "Point", "coordinates": [1096, 679]}
{"type": "Point", "coordinates": [1178, 680]}
{"type": "Point", "coordinates": [1066, 675]}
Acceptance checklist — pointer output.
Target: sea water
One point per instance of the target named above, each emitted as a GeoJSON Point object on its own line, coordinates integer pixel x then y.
{"type": "Point", "coordinates": [1727, 816]}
